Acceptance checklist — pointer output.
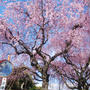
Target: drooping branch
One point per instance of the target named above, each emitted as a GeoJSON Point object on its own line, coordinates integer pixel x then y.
{"type": "Point", "coordinates": [15, 48]}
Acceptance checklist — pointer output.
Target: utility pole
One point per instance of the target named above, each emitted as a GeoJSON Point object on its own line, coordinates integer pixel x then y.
{"type": "Point", "coordinates": [3, 84]}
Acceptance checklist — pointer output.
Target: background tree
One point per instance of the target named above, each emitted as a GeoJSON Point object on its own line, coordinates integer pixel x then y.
{"type": "Point", "coordinates": [20, 79]}
{"type": "Point", "coordinates": [75, 68]}
{"type": "Point", "coordinates": [44, 32]}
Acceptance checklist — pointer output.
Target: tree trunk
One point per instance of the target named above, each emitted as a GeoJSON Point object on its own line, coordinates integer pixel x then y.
{"type": "Point", "coordinates": [79, 87]}
{"type": "Point", "coordinates": [45, 82]}
{"type": "Point", "coordinates": [45, 85]}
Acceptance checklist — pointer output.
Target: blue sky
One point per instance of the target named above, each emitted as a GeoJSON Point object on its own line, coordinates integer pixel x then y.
{"type": "Point", "coordinates": [1, 8]}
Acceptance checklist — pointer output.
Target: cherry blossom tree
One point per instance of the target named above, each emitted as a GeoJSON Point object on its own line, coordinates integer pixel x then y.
{"type": "Point", "coordinates": [74, 65]}
{"type": "Point", "coordinates": [20, 79]}
{"type": "Point", "coordinates": [49, 33]}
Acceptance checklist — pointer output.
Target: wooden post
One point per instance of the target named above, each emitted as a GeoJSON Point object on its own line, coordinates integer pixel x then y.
{"type": "Point", "coordinates": [8, 57]}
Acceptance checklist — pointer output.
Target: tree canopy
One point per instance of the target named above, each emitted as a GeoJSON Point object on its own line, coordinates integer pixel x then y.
{"type": "Point", "coordinates": [53, 35]}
